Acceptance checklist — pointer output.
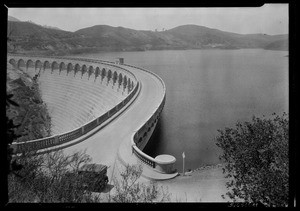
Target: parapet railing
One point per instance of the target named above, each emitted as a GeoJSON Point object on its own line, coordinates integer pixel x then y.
{"type": "Point", "coordinates": [55, 140]}
{"type": "Point", "coordinates": [146, 159]}
{"type": "Point", "coordinates": [139, 134]}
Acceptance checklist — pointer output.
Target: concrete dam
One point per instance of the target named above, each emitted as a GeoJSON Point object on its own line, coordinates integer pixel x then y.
{"type": "Point", "coordinates": [110, 109]}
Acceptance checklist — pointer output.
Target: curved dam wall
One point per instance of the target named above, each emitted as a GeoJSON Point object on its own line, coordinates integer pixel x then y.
{"type": "Point", "coordinates": [81, 94]}
{"type": "Point", "coordinates": [84, 94]}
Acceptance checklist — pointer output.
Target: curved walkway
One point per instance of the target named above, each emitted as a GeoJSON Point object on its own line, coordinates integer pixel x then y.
{"type": "Point", "coordinates": [113, 143]}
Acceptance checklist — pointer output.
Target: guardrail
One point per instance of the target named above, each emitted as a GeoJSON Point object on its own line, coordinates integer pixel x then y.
{"type": "Point", "coordinates": [139, 134]}
{"type": "Point", "coordinates": [43, 143]}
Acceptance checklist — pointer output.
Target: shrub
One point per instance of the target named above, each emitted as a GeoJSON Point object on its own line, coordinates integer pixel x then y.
{"type": "Point", "coordinates": [256, 160]}
{"type": "Point", "coordinates": [128, 190]}
{"type": "Point", "coordinates": [45, 178]}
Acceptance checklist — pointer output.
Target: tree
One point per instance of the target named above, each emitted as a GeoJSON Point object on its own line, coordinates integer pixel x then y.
{"type": "Point", "coordinates": [11, 46]}
{"type": "Point", "coordinates": [11, 164]}
{"type": "Point", "coordinates": [129, 190]}
{"type": "Point", "coordinates": [52, 177]}
{"type": "Point", "coordinates": [32, 114]}
{"type": "Point", "coordinates": [256, 160]}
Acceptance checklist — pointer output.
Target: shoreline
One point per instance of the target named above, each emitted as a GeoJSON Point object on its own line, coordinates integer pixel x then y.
{"type": "Point", "coordinates": [78, 52]}
{"type": "Point", "coordinates": [203, 184]}
{"type": "Point", "coordinates": [206, 167]}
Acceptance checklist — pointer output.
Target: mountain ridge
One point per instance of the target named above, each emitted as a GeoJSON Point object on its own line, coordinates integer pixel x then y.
{"type": "Point", "coordinates": [26, 36]}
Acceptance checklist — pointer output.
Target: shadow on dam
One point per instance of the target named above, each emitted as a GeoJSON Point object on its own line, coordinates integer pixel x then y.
{"type": "Point", "coordinates": [155, 144]}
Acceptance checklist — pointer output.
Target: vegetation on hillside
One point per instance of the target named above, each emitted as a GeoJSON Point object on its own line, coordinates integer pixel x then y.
{"type": "Point", "coordinates": [26, 115]}
{"type": "Point", "coordinates": [256, 155]}
{"type": "Point", "coordinates": [30, 37]}
{"type": "Point", "coordinates": [277, 45]}
{"type": "Point", "coordinates": [46, 179]}
{"type": "Point", "coordinates": [31, 115]}
{"type": "Point", "coordinates": [11, 165]}
{"type": "Point", "coordinates": [128, 190]}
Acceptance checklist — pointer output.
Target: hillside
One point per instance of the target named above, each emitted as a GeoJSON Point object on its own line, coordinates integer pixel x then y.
{"type": "Point", "coordinates": [30, 37]}
{"type": "Point", "coordinates": [10, 18]}
{"type": "Point", "coordinates": [278, 45]}
{"type": "Point", "coordinates": [32, 114]}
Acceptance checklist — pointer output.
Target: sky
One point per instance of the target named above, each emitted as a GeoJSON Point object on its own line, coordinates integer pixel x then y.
{"type": "Point", "coordinates": [269, 19]}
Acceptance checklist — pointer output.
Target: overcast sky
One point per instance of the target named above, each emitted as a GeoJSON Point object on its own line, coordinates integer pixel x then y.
{"type": "Point", "coordinates": [269, 19]}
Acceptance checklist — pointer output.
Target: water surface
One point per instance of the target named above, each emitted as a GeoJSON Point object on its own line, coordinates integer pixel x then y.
{"type": "Point", "coordinates": [209, 90]}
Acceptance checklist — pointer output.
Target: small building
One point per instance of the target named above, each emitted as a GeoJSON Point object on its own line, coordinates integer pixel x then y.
{"type": "Point", "coordinates": [119, 60]}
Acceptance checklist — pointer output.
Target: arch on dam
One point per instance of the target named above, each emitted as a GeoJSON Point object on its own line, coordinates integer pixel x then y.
{"type": "Point", "coordinates": [120, 79]}
{"type": "Point", "coordinates": [62, 66]}
{"type": "Point", "coordinates": [38, 65]}
{"type": "Point", "coordinates": [90, 71]}
{"type": "Point", "coordinates": [83, 70]}
{"type": "Point", "coordinates": [69, 68]}
{"type": "Point", "coordinates": [12, 62]}
{"type": "Point", "coordinates": [76, 69]}
{"type": "Point", "coordinates": [29, 64]}
{"type": "Point", "coordinates": [109, 75]}
{"type": "Point", "coordinates": [46, 65]}
{"type": "Point", "coordinates": [21, 63]}
{"type": "Point", "coordinates": [54, 66]}
{"type": "Point", "coordinates": [103, 74]}
{"type": "Point", "coordinates": [128, 85]}
{"type": "Point", "coordinates": [115, 77]}
{"type": "Point", "coordinates": [97, 72]}
{"type": "Point", "coordinates": [124, 82]}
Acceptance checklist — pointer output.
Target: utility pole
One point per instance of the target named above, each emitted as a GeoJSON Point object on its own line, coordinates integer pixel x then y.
{"type": "Point", "coordinates": [183, 156]}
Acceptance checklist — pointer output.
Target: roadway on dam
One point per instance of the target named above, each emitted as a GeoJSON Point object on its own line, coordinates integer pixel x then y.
{"type": "Point", "coordinates": [103, 146]}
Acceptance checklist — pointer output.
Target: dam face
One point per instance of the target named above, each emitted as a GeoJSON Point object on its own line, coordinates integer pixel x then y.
{"type": "Point", "coordinates": [109, 109]}
{"type": "Point", "coordinates": [74, 99]}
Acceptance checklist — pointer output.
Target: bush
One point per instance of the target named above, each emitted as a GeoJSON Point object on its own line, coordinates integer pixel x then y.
{"type": "Point", "coordinates": [128, 190]}
{"type": "Point", "coordinates": [45, 179]}
{"type": "Point", "coordinates": [54, 177]}
{"type": "Point", "coordinates": [32, 114]}
{"type": "Point", "coordinates": [256, 160]}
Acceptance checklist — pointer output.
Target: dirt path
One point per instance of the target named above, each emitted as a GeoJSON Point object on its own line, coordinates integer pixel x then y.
{"type": "Point", "coordinates": [205, 184]}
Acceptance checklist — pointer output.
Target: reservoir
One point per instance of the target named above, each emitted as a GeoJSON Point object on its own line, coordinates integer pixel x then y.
{"type": "Point", "coordinates": [208, 90]}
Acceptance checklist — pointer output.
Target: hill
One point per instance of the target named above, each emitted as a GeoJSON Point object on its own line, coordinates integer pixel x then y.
{"type": "Point", "coordinates": [30, 37]}
{"type": "Point", "coordinates": [11, 18]}
{"type": "Point", "coordinates": [205, 37]}
{"type": "Point", "coordinates": [282, 44]}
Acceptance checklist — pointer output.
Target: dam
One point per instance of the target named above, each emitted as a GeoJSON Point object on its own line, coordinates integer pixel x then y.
{"type": "Point", "coordinates": [110, 109]}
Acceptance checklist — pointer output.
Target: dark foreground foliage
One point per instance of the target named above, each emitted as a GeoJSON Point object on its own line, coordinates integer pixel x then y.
{"type": "Point", "coordinates": [257, 162]}
{"type": "Point", "coordinates": [54, 178]}
{"type": "Point", "coordinates": [45, 179]}
{"type": "Point", "coordinates": [10, 137]}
